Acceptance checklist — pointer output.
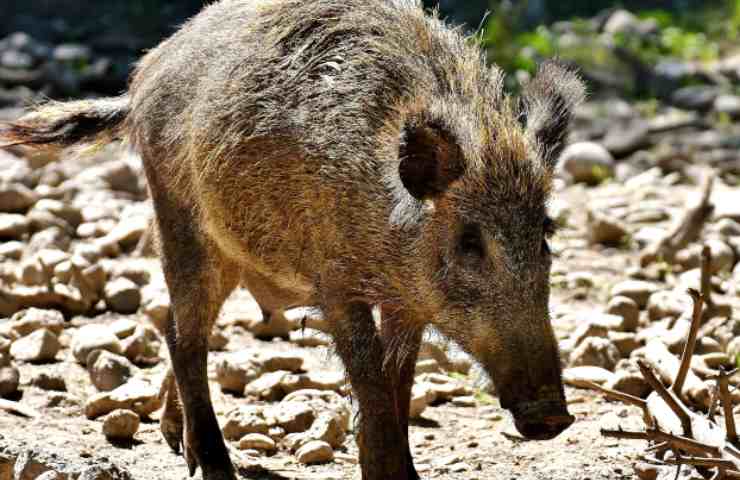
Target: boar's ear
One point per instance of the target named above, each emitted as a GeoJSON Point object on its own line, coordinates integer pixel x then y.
{"type": "Point", "coordinates": [547, 106]}
{"type": "Point", "coordinates": [430, 159]}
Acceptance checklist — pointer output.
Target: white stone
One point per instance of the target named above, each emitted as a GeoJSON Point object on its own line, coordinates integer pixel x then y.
{"type": "Point", "coordinates": [315, 452]}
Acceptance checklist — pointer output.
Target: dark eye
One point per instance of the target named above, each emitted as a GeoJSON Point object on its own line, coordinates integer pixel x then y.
{"type": "Point", "coordinates": [549, 227]}
{"type": "Point", "coordinates": [471, 243]}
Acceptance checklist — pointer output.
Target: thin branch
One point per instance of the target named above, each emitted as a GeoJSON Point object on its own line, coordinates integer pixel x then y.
{"type": "Point", "coordinates": [619, 396]}
{"type": "Point", "coordinates": [667, 397]}
{"type": "Point", "coordinates": [688, 350]}
{"type": "Point", "coordinates": [686, 444]}
{"type": "Point", "coordinates": [18, 408]}
{"type": "Point", "coordinates": [705, 281]}
{"type": "Point", "coordinates": [659, 447]}
{"type": "Point", "coordinates": [701, 462]}
{"type": "Point", "coordinates": [724, 392]}
{"type": "Point", "coordinates": [624, 398]}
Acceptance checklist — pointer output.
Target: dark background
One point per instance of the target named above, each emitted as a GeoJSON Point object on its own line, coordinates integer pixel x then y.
{"type": "Point", "coordinates": [111, 23]}
{"type": "Point", "coordinates": [517, 35]}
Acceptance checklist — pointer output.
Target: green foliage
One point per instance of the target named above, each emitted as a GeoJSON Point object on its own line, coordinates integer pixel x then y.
{"type": "Point", "coordinates": [671, 42]}
{"type": "Point", "coordinates": [512, 50]}
{"type": "Point", "coordinates": [648, 108]}
{"type": "Point", "coordinates": [687, 45]}
{"type": "Point", "coordinates": [733, 31]}
{"type": "Point", "coordinates": [484, 398]}
{"type": "Point", "coordinates": [601, 174]}
{"type": "Point", "coordinates": [699, 34]}
{"type": "Point", "coordinates": [724, 121]}
{"type": "Point", "coordinates": [662, 18]}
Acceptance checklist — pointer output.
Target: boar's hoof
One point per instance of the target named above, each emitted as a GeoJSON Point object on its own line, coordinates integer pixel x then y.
{"type": "Point", "coordinates": [542, 420]}
{"type": "Point", "coordinates": [172, 432]}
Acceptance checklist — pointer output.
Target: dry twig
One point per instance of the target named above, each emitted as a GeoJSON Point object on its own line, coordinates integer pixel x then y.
{"type": "Point", "coordinates": [18, 408]}
{"type": "Point", "coordinates": [668, 397]}
{"type": "Point", "coordinates": [702, 442]}
{"type": "Point", "coordinates": [724, 393]}
{"type": "Point", "coordinates": [688, 350]}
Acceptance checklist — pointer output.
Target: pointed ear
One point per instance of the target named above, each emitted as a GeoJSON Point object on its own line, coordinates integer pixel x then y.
{"type": "Point", "coordinates": [547, 106]}
{"type": "Point", "coordinates": [430, 159]}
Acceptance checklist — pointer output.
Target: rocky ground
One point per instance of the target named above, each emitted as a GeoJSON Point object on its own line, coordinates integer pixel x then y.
{"type": "Point", "coordinates": [641, 189]}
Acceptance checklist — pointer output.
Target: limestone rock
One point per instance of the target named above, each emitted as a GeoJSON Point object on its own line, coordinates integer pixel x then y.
{"type": "Point", "coordinates": [596, 352]}
{"type": "Point", "coordinates": [120, 425]}
{"type": "Point", "coordinates": [271, 361]}
{"type": "Point", "coordinates": [122, 295]}
{"type": "Point", "coordinates": [324, 402]}
{"type": "Point", "coordinates": [315, 452]}
{"type": "Point", "coordinates": [66, 212]}
{"type": "Point", "coordinates": [629, 382]}
{"type": "Point", "coordinates": [245, 420]}
{"type": "Point", "coordinates": [94, 337]}
{"type": "Point", "coordinates": [9, 380]}
{"type": "Point", "coordinates": [627, 309]}
{"type": "Point", "coordinates": [582, 376]}
{"type": "Point", "coordinates": [293, 416]}
{"type": "Point", "coordinates": [605, 230]}
{"type": "Point", "coordinates": [108, 371]}
{"type": "Point", "coordinates": [668, 303]}
{"type": "Point", "coordinates": [13, 226]}
{"type": "Point", "coordinates": [40, 346]}
{"type": "Point", "coordinates": [136, 395]}
{"type": "Point", "coordinates": [257, 441]}
{"type": "Point", "coordinates": [142, 345]}
{"type": "Point", "coordinates": [327, 428]}
{"type": "Point", "coordinates": [16, 198]}
{"type": "Point", "coordinates": [421, 396]}
{"type": "Point", "coordinates": [235, 370]}
{"type": "Point", "coordinates": [637, 290]}
{"type": "Point", "coordinates": [587, 162]}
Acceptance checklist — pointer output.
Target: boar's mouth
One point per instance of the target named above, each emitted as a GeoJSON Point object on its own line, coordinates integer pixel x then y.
{"type": "Point", "coordinates": [542, 420]}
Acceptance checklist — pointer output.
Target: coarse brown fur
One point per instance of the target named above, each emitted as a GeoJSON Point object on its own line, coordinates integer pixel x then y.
{"type": "Point", "coordinates": [345, 154]}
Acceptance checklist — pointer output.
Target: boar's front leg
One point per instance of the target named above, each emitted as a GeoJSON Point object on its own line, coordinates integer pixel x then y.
{"type": "Point", "coordinates": [402, 340]}
{"type": "Point", "coordinates": [380, 437]}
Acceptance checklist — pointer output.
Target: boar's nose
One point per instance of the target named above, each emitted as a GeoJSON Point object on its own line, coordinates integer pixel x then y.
{"type": "Point", "coordinates": [545, 428]}
{"type": "Point", "coordinates": [542, 420]}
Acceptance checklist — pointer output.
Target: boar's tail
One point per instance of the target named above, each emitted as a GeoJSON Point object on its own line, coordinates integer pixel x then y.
{"type": "Point", "coordinates": [57, 125]}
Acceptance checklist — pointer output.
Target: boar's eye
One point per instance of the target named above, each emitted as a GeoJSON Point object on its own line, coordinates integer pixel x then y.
{"type": "Point", "coordinates": [549, 227]}
{"type": "Point", "coordinates": [471, 243]}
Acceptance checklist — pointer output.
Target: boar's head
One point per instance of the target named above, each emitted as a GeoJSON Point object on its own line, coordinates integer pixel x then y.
{"type": "Point", "coordinates": [477, 178]}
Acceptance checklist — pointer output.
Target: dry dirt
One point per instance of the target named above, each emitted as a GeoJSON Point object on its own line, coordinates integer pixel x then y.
{"type": "Point", "coordinates": [448, 442]}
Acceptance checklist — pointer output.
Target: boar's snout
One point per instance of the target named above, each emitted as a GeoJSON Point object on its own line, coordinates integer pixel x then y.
{"type": "Point", "coordinates": [542, 420]}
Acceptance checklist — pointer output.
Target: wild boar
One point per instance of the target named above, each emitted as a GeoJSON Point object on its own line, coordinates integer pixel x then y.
{"type": "Point", "coordinates": [348, 154]}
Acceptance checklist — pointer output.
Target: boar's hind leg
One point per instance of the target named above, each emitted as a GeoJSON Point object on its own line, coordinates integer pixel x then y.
{"type": "Point", "coordinates": [170, 423]}
{"type": "Point", "coordinates": [199, 280]}
{"type": "Point", "coordinates": [380, 437]}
